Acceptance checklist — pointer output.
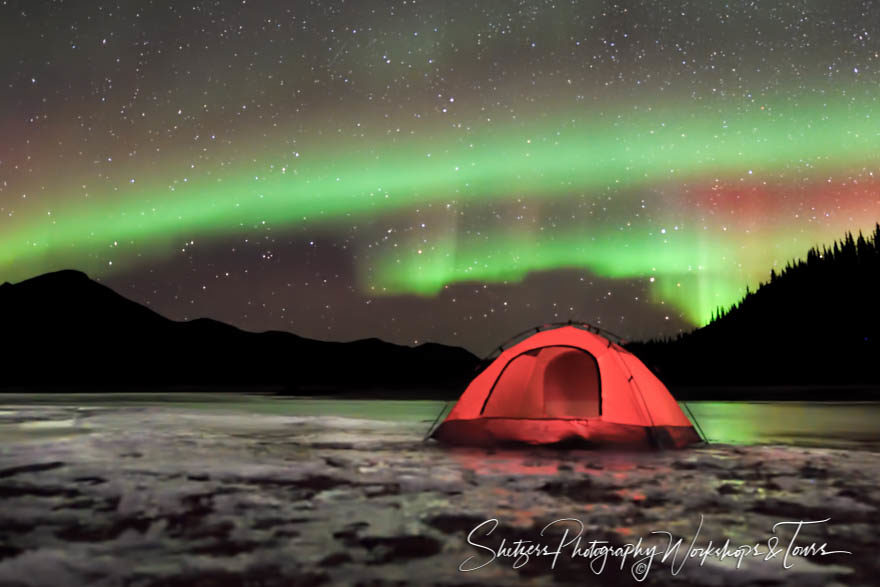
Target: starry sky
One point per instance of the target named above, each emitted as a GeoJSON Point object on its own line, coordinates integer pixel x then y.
{"type": "Point", "coordinates": [449, 171]}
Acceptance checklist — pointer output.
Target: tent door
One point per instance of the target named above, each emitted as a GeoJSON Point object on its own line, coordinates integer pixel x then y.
{"type": "Point", "coordinates": [550, 382]}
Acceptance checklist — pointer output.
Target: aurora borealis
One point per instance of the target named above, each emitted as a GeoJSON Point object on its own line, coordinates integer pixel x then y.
{"type": "Point", "coordinates": [445, 171]}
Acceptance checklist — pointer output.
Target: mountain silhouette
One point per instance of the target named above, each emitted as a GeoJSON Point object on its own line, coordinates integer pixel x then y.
{"type": "Point", "coordinates": [65, 329]}
{"type": "Point", "coordinates": [816, 322]}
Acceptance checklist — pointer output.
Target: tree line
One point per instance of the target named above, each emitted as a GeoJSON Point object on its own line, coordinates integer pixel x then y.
{"type": "Point", "coordinates": [815, 321]}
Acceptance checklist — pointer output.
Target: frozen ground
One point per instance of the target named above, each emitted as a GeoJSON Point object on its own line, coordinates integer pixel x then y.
{"type": "Point", "coordinates": [179, 494]}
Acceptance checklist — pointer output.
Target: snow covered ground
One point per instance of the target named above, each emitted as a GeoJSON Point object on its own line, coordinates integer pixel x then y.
{"type": "Point", "coordinates": [198, 493]}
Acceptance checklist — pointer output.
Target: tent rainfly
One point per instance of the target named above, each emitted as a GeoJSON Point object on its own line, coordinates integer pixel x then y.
{"type": "Point", "coordinates": [562, 385]}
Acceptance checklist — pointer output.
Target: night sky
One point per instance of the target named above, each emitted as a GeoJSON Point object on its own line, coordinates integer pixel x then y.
{"type": "Point", "coordinates": [453, 171]}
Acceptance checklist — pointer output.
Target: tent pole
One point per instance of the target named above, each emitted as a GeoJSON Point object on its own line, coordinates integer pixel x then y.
{"type": "Point", "coordinates": [697, 424]}
{"type": "Point", "coordinates": [434, 423]}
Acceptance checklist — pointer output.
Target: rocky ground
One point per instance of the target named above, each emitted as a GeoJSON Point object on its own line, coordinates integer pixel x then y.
{"type": "Point", "coordinates": [165, 495]}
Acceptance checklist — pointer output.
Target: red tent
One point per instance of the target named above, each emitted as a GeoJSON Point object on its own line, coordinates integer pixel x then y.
{"type": "Point", "coordinates": [566, 384]}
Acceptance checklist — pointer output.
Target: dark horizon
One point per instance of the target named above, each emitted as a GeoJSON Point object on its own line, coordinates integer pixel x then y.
{"type": "Point", "coordinates": [766, 338]}
{"type": "Point", "coordinates": [414, 333]}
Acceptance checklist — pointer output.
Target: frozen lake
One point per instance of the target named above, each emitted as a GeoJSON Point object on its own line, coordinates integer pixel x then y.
{"type": "Point", "coordinates": [816, 424]}
{"type": "Point", "coordinates": [151, 489]}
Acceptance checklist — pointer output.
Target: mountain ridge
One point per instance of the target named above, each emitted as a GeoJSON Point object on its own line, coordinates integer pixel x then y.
{"type": "Point", "coordinates": [66, 328]}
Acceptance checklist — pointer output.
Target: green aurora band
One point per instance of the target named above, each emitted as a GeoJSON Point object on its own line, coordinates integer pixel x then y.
{"type": "Point", "coordinates": [695, 276]}
{"type": "Point", "coordinates": [579, 154]}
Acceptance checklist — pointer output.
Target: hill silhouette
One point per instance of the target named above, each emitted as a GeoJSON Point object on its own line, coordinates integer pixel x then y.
{"type": "Point", "coordinates": [816, 322]}
{"type": "Point", "coordinates": [64, 329]}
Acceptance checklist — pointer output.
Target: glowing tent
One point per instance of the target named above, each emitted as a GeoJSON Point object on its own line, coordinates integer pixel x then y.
{"type": "Point", "coordinates": [567, 384]}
